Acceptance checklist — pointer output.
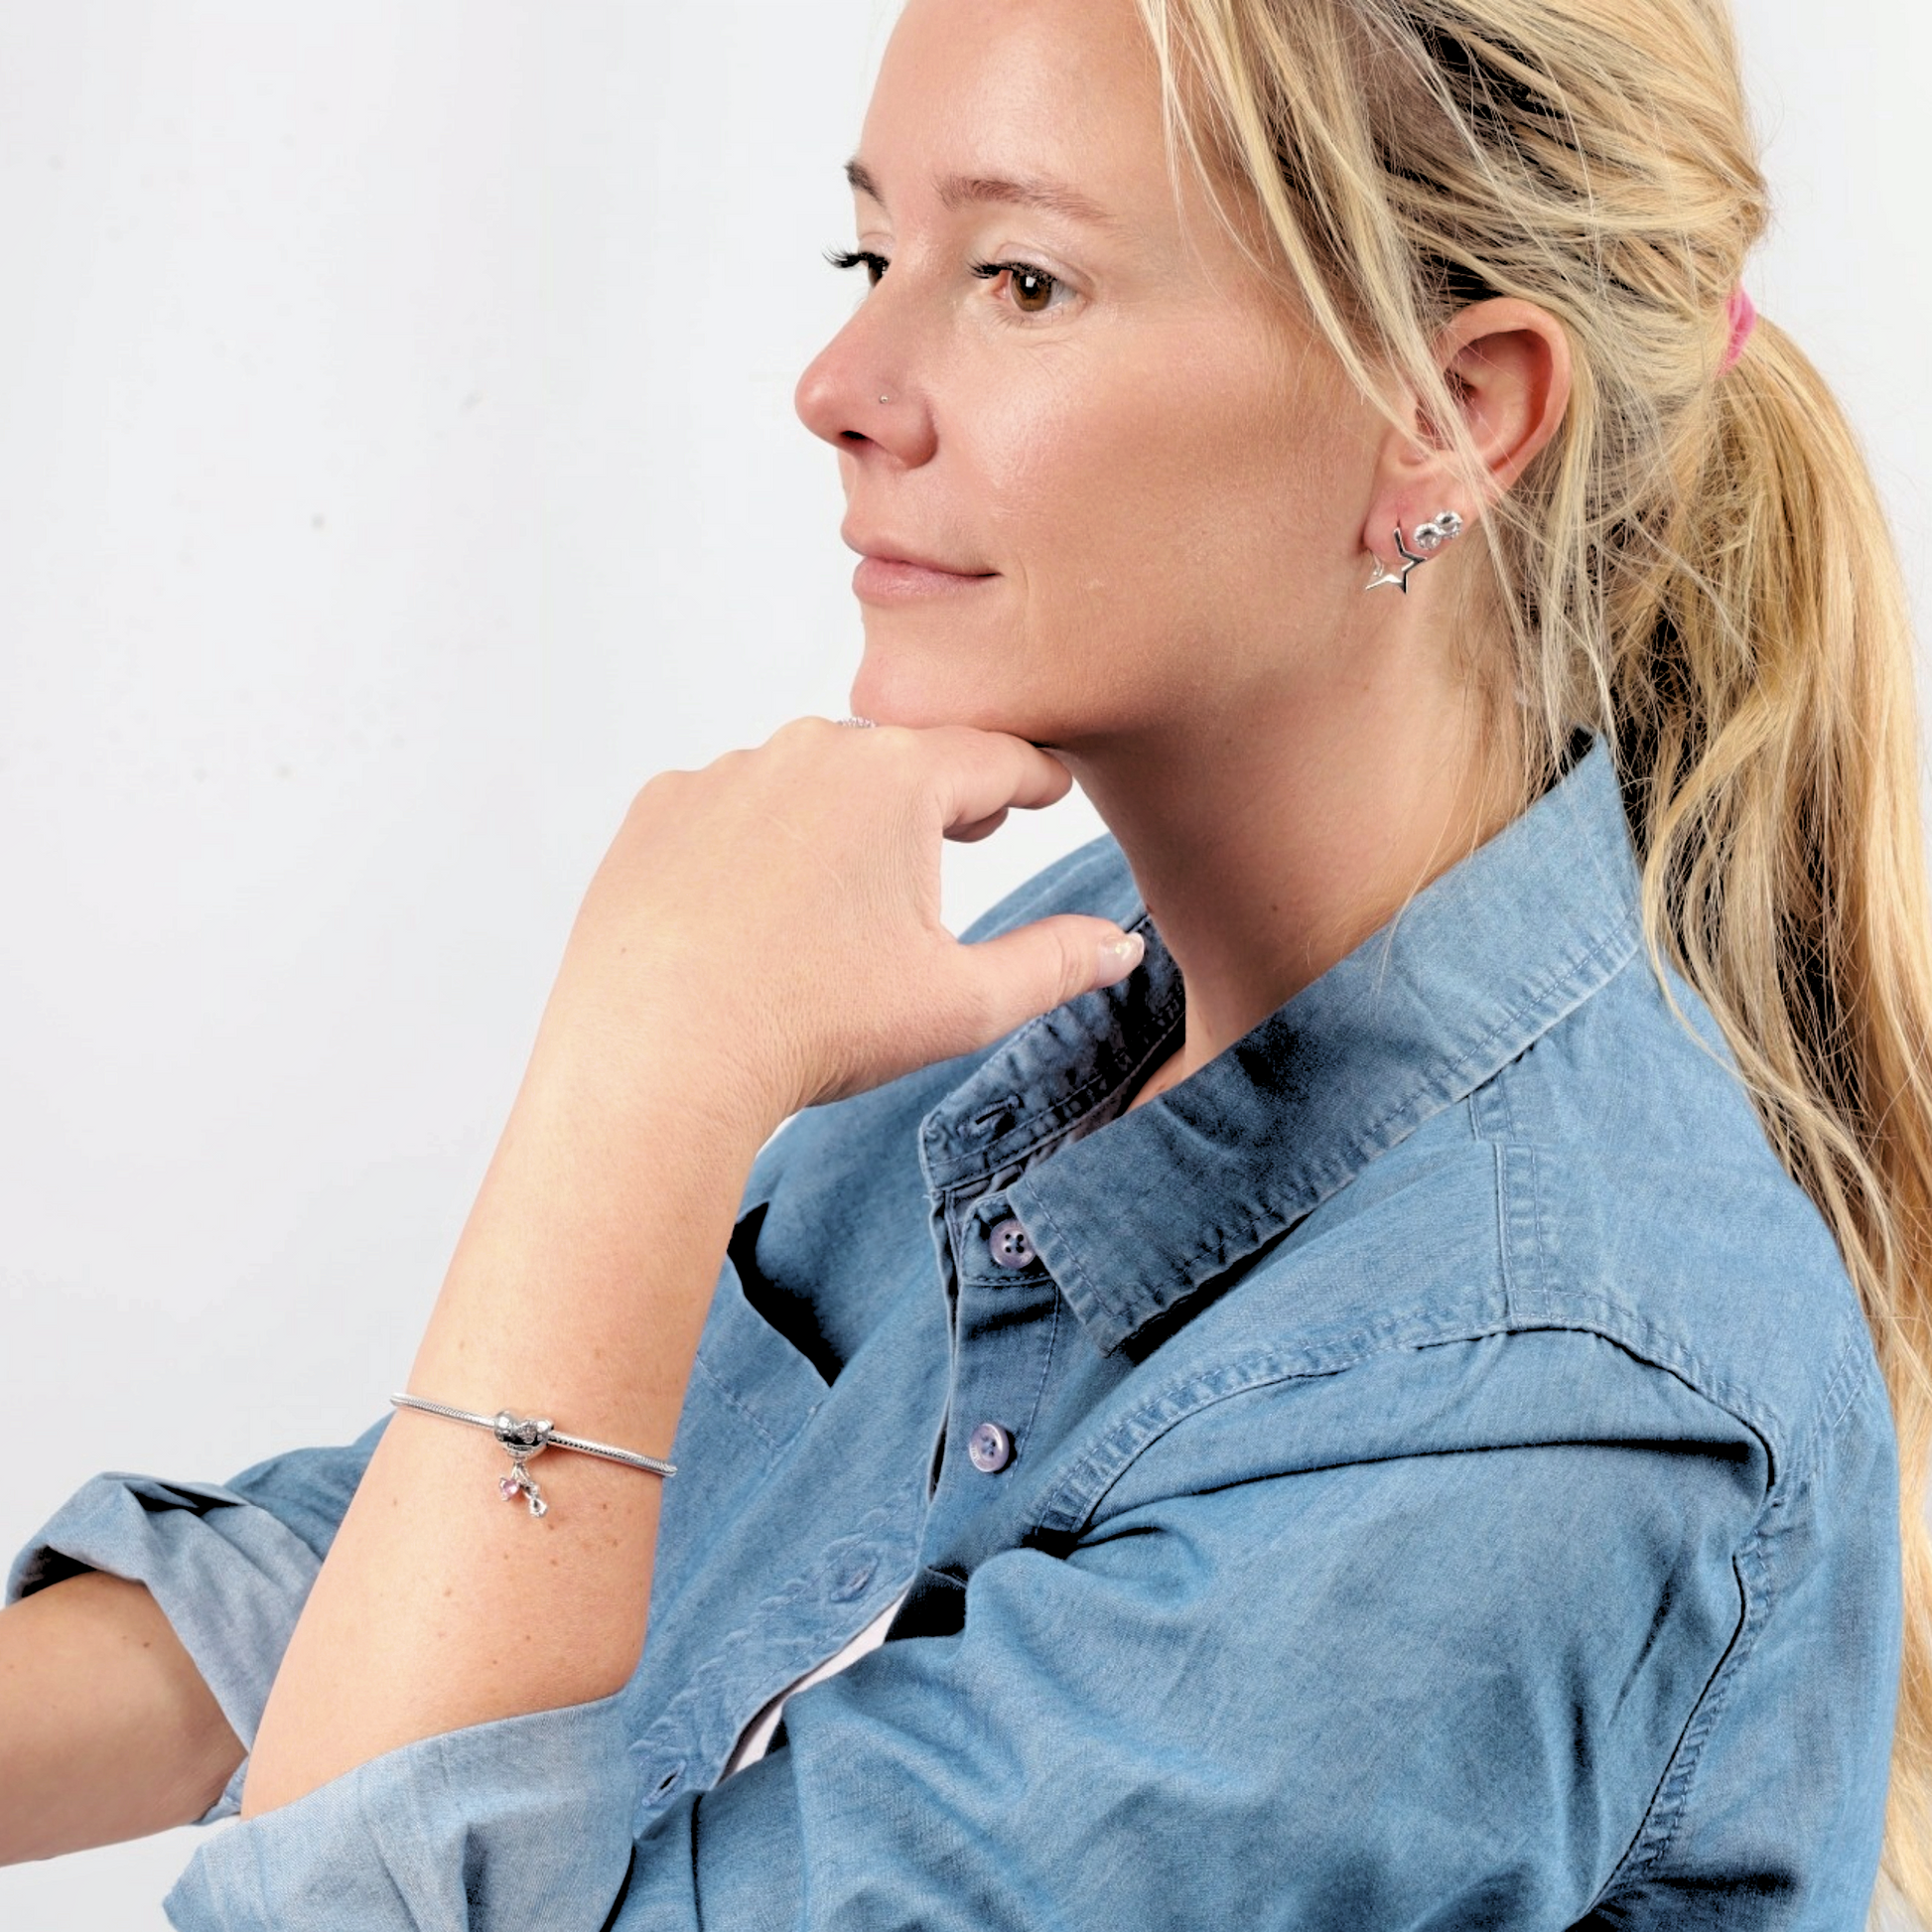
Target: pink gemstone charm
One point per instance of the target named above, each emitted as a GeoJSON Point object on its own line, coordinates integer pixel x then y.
{"type": "Point", "coordinates": [507, 1489]}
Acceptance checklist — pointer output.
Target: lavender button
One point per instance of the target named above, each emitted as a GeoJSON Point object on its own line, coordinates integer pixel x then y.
{"type": "Point", "coordinates": [1009, 1245]}
{"type": "Point", "coordinates": [990, 1449]}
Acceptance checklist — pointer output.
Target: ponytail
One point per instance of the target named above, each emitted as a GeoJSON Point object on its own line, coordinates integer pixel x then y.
{"type": "Point", "coordinates": [1765, 730]}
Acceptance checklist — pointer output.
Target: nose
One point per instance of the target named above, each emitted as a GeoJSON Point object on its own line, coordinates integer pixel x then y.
{"type": "Point", "coordinates": [860, 393]}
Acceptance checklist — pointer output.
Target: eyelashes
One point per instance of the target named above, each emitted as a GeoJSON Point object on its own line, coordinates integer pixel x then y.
{"type": "Point", "coordinates": [872, 264]}
{"type": "Point", "coordinates": [1032, 289]}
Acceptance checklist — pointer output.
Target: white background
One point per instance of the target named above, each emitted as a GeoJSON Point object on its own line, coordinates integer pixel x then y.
{"type": "Point", "coordinates": [398, 467]}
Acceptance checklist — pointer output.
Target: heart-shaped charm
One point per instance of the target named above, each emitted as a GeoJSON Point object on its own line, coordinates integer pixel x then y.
{"type": "Point", "coordinates": [523, 1437]}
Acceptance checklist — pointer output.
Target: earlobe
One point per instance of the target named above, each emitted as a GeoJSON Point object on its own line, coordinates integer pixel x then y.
{"type": "Point", "coordinates": [1444, 527]}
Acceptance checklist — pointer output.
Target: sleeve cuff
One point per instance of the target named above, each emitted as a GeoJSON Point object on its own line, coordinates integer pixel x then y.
{"type": "Point", "coordinates": [497, 1828]}
{"type": "Point", "coordinates": [229, 1578]}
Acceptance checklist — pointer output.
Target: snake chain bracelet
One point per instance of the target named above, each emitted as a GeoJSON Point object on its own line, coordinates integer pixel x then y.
{"type": "Point", "coordinates": [528, 1435]}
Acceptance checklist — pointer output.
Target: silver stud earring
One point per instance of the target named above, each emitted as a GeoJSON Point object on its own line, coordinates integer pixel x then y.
{"type": "Point", "coordinates": [884, 398]}
{"type": "Point", "coordinates": [1430, 538]}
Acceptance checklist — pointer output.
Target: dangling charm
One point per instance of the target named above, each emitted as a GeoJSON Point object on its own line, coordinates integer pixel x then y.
{"type": "Point", "coordinates": [1430, 538]}
{"type": "Point", "coordinates": [520, 1482]}
{"type": "Point", "coordinates": [524, 1439]}
{"type": "Point", "coordinates": [1399, 577]}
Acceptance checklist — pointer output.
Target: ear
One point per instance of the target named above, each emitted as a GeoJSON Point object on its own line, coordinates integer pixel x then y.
{"type": "Point", "coordinates": [1507, 365]}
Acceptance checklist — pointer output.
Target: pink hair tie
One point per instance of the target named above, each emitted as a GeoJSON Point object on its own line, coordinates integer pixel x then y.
{"type": "Point", "coordinates": [1744, 318]}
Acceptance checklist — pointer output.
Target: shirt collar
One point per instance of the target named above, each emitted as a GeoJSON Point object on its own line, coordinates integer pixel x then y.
{"type": "Point", "coordinates": [1131, 1221]}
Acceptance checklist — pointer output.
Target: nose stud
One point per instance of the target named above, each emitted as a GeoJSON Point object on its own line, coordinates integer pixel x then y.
{"type": "Point", "coordinates": [884, 398]}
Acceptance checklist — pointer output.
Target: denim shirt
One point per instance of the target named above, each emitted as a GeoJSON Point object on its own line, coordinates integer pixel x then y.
{"type": "Point", "coordinates": [1426, 1469]}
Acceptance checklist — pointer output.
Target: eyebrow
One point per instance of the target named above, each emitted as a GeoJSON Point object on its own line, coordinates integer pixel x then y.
{"type": "Point", "coordinates": [961, 191]}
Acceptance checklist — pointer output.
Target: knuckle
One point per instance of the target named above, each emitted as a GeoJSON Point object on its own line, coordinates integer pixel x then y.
{"type": "Point", "coordinates": [657, 787]}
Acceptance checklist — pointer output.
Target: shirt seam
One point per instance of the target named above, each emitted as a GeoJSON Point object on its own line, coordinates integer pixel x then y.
{"type": "Point", "coordinates": [1840, 1391]}
{"type": "Point", "coordinates": [1062, 1512]}
{"type": "Point", "coordinates": [724, 1388]}
{"type": "Point", "coordinates": [1664, 1816]}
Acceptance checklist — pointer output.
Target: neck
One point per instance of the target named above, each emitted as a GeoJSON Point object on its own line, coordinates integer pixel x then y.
{"type": "Point", "coordinates": [1269, 846]}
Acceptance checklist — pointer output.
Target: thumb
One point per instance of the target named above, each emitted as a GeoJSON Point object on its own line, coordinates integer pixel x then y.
{"type": "Point", "coordinates": [1036, 967]}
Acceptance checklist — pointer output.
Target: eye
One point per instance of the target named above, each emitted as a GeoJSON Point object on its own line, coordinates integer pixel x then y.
{"type": "Point", "coordinates": [1032, 288]}
{"type": "Point", "coordinates": [874, 264]}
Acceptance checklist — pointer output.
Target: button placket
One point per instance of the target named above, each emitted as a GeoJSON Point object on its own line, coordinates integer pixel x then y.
{"type": "Point", "coordinates": [1002, 1346]}
{"type": "Point", "coordinates": [1009, 1248]}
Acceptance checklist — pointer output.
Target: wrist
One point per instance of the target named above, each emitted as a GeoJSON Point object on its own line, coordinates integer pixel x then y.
{"type": "Point", "coordinates": [585, 1270]}
{"type": "Point", "coordinates": [673, 1056]}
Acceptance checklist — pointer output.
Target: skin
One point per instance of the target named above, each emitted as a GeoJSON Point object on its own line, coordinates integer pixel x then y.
{"type": "Point", "coordinates": [1177, 495]}
{"type": "Point", "coordinates": [110, 1733]}
{"type": "Point", "coordinates": [1119, 504]}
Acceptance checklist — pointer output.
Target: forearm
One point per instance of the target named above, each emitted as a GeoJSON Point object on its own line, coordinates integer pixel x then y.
{"type": "Point", "coordinates": [107, 1729]}
{"type": "Point", "coordinates": [577, 1291]}
{"type": "Point", "coordinates": [713, 984]}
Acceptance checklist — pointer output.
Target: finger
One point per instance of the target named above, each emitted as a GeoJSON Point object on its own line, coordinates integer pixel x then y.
{"type": "Point", "coordinates": [980, 828]}
{"type": "Point", "coordinates": [981, 773]}
{"type": "Point", "coordinates": [1036, 967]}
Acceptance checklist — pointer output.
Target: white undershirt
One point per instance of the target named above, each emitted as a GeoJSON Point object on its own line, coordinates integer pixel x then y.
{"type": "Point", "coordinates": [756, 1735]}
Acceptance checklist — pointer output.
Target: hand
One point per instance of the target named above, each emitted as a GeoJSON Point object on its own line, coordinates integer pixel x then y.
{"type": "Point", "coordinates": [779, 913]}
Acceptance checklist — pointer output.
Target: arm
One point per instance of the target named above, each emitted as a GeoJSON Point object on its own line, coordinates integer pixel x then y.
{"type": "Point", "coordinates": [1436, 1690]}
{"type": "Point", "coordinates": [110, 1731]}
{"type": "Point", "coordinates": [139, 1603]}
{"type": "Point", "coordinates": [686, 1023]}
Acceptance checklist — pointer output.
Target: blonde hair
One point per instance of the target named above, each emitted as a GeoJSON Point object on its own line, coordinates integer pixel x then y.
{"type": "Point", "coordinates": [1698, 565]}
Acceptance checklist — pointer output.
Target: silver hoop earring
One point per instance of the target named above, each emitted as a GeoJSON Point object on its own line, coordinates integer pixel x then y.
{"type": "Point", "coordinates": [1430, 538]}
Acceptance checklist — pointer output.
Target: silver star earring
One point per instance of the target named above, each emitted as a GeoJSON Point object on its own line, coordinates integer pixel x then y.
{"type": "Point", "coordinates": [1430, 538]}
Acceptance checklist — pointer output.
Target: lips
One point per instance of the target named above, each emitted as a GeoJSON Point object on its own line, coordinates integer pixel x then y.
{"type": "Point", "coordinates": [891, 580]}
{"type": "Point", "coordinates": [892, 572]}
{"type": "Point", "coordinates": [887, 550]}
{"type": "Point", "coordinates": [891, 562]}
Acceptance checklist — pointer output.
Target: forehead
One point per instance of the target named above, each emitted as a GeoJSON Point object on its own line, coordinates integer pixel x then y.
{"type": "Point", "coordinates": [1054, 92]}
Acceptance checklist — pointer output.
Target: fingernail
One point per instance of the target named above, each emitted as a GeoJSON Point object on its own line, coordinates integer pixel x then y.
{"type": "Point", "coordinates": [1119, 957]}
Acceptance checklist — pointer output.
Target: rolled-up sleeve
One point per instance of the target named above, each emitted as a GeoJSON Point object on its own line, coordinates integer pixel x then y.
{"type": "Point", "coordinates": [1437, 1690]}
{"type": "Point", "coordinates": [230, 1565]}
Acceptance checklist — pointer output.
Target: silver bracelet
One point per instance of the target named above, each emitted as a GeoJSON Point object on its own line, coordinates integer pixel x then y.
{"type": "Point", "coordinates": [528, 1435]}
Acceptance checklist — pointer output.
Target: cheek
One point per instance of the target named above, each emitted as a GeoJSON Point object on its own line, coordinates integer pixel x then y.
{"type": "Point", "coordinates": [1176, 532]}
{"type": "Point", "coordinates": [1180, 496]}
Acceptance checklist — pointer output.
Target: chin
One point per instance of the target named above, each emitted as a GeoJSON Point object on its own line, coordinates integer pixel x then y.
{"type": "Point", "coordinates": [921, 677]}
{"type": "Point", "coordinates": [900, 686]}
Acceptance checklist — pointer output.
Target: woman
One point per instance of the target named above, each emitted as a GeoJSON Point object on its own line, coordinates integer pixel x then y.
{"type": "Point", "coordinates": [1397, 1433]}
